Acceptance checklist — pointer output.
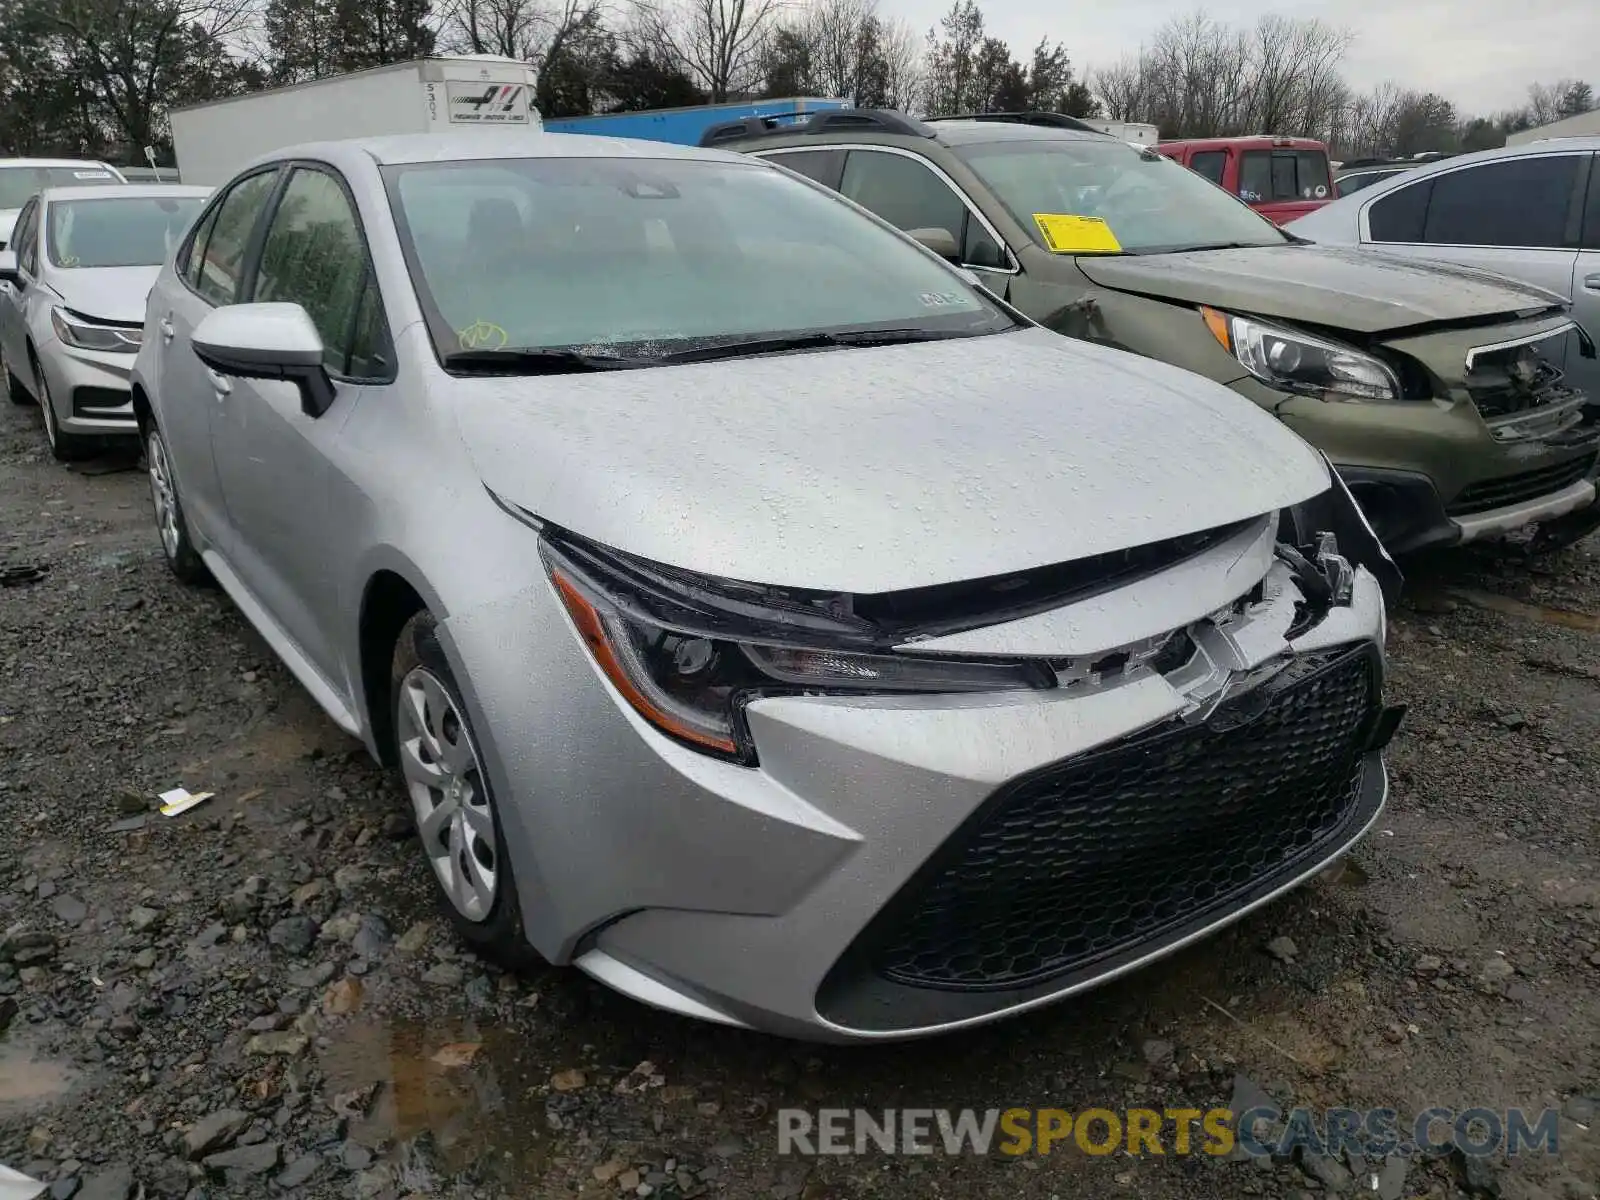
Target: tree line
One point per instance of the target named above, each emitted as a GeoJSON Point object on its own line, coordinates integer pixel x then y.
{"type": "Point", "coordinates": [98, 77]}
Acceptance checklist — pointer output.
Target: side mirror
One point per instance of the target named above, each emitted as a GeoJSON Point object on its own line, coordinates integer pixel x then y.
{"type": "Point", "coordinates": [267, 341]}
{"type": "Point", "coordinates": [941, 241]}
{"type": "Point", "coordinates": [8, 268]}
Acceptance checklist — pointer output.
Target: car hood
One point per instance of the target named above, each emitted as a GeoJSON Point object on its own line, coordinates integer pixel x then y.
{"type": "Point", "coordinates": [109, 293]}
{"type": "Point", "coordinates": [1360, 290]}
{"type": "Point", "coordinates": [871, 470]}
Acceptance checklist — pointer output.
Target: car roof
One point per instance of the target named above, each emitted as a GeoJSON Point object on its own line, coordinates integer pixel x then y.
{"type": "Point", "coordinates": [125, 191]}
{"type": "Point", "coordinates": [1440, 166]}
{"type": "Point", "coordinates": [1246, 139]}
{"type": "Point", "coordinates": [87, 163]}
{"type": "Point", "coordinates": [964, 133]}
{"type": "Point", "coordinates": [479, 145]}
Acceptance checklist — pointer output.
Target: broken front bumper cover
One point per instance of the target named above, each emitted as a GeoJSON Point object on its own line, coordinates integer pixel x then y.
{"type": "Point", "coordinates": [915, 781]}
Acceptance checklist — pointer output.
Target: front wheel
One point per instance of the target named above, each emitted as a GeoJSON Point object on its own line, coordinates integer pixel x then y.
{"type": "Point", "coordinates": [14, 390]}
{"type": "Point", "coordinates": [180, 553]}
{"type": "Point", "coordinates": [452, 799]}
{"type": "Point", "coordinates": [67, 447]}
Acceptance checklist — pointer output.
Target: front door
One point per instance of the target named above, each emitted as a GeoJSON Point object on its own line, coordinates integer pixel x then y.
{"type": "Point", "coordinates": [15, 299]}
{"type": "Point", "coordinates": [209, 274]}
{"type": "Point", "coordinates": [272, 457]}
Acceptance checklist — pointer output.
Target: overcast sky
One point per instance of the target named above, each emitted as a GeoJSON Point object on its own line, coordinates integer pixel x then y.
{"type": "Point", "coordinates": [1481, 54]}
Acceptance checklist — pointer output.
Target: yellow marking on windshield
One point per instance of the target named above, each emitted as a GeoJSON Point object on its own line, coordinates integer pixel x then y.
{"type": "Point", "coordinates": [482, 335]}
{"type": "Point", "coordinates": [1066, 233]}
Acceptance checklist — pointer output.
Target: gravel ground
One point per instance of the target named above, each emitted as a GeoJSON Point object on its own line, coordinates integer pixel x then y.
{"type": "Point", "coordinates": [256, 998]}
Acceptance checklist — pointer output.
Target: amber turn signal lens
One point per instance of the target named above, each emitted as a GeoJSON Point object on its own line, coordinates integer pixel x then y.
{"type": "Point", "coordinates": [592, 628]}
{"type": "Point", "coordinates": [1217, 322]}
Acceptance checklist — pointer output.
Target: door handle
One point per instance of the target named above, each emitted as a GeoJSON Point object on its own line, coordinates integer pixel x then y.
{"type": "Point", "coordinates": [219, 384]}
{"type": "Point", "coordinates": [167, 330]}
{"type": "Point", "coordinates": [1591, 283]}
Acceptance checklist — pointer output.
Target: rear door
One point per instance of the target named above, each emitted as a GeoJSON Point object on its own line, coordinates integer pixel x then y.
{"type": "Point", "coordinates": [209, 273]}
{"type": "Point", "coordinates": [1517, 216]}
{"type": "Point", "coordinates": [273, 458]}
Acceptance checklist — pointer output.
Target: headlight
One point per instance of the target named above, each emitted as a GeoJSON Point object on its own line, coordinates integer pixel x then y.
{"type": "Point", "coordinates": [87, 335]}
{"type": "Point", "coordinates": [1302, 362]}
{"type": "Point", "coordinates": [687, 653]}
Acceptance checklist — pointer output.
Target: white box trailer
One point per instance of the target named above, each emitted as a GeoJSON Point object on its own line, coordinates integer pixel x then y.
{"type": "Point", "coordinates": [1128, 131]}
{"type": "Point", "coordinates": [428, 95]}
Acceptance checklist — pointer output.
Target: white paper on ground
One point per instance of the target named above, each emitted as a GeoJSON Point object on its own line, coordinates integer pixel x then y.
{"type": "Point", "coordinates": [14, 1185]}
{"type": "Point", "coordinates": [179, 800]}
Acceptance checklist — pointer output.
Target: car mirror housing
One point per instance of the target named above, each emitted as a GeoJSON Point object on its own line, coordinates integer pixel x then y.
{"type": "Point", "coordinates": [941, 241]}
{"type": "Point", "coordinates": [267, 341]}
{"type": "Point", "coordinates": [8, 267]}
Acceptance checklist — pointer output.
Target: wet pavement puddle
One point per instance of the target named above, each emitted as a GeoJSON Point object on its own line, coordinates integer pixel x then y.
{"type": "Point", "coordinates": [464, 1092]}
{"type": "Point", "coordinates": [1506, 606]}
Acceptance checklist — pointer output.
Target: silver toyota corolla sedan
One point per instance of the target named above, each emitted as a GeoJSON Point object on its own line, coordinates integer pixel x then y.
{"type": "Point", "coordinates": [72, 302]}
{"type": "Point", "coordinates": [762, 617]}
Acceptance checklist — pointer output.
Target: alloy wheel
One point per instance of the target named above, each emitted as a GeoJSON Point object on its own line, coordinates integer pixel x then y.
{"type": "Point", "coordinates": [163, 496]}
{"type": "Point", "coordinates": [445, 782]}
{"type": "Point", "coordinates": [47, 406]}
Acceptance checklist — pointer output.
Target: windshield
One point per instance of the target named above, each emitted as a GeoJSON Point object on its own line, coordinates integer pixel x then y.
{"type": "Point", "coordinates": [133, 231]}
{"type": "Point", "coordinates": [1148, 204]}
{"type": "Point", "coordinates": [19, 183]}
{"type": "Point", "coordinates": [654, 258]}
{"type": "Point", "coordinates": [1267, 175]}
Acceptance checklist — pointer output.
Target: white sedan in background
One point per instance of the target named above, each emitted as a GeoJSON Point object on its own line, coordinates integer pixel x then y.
{"type": "Point", "coordinates": [73, 286]}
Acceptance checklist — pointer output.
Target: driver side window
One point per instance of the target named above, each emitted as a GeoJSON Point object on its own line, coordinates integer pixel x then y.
{"type": "Point", "coordinates": [908, 195]}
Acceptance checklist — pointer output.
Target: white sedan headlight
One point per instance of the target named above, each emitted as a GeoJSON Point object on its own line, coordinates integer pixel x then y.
{"type": "Point", "coordinates": [90, 335]}
{"type": "Point", "coordinates": [1302, 362]}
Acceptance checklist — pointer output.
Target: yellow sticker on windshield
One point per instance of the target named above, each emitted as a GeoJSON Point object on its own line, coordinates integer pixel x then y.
{"type": "Point", "coordinates": [1065, 233]}
{"type": "Point", "coordinates": [482, 335]}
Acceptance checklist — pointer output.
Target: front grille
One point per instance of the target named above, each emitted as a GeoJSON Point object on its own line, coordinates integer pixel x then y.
{"type": "Point", "coordinates": [1526, 485]}
{"type": "Point", "coordinates": [1110, 851]}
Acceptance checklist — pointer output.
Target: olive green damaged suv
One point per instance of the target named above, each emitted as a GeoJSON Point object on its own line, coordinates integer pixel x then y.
{"type": "Point", "coordinates": [1438, 391]}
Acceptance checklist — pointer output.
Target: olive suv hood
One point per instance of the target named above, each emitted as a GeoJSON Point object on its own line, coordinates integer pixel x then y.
{"type": "Point", "coordinates": [1359, 290]}
{"type": "Point", "coordinates": [876, 469]}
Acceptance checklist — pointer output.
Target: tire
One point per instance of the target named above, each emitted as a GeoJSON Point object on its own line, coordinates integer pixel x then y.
{"type": "Point", "coordinates": [14, 390]}
{"type": "Point", "coordinates": [171, 525]}
{"type": "Point", "coordinates": [66, 447]}
{"type": "Point", "coordinates": [467, 845]}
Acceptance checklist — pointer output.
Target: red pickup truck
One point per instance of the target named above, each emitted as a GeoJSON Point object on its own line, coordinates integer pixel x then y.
{"type": "Point", "coordinates": [1280, 177]}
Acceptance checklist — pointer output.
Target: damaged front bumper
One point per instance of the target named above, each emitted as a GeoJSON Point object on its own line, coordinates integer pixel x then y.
{"type": "Point", "coordinates": [900, 865]}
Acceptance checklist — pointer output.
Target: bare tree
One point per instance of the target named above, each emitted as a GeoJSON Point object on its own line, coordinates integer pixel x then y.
{"type": "Point", "coordinates": [1202, 78]}
{"type": "Point", "coordinates": [135, 55]}
{"type": "Point", "coordinates": [904, 76]}
{"type": "Point", "coordinates": [529, 30]}
{"type": "Point", "coordinates": [720, 42]}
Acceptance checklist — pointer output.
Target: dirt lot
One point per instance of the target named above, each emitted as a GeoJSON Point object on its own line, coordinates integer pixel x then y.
{"type": "Point", "coordinates": [255, 998]}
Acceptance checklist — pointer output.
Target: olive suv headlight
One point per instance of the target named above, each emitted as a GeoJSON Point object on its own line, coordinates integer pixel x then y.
{"type": "Point", "coordinates": [91, 335]}
{"type": "Point", "coordinates": [1302, 362]}
{"type": "Point", "coordinates": [687, 652]}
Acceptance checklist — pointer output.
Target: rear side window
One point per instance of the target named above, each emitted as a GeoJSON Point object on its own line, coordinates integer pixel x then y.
{"type": "Point", "coordinates": [220, 257]}
{"type": "Point", "coordinates": [1211, 164]}
{"type": "Point", "coordinates": [1400, 216]}
{"type": "Point", "coordinates": [824, 166]}
{"type": "Point", "coordinates": [1517, 202]}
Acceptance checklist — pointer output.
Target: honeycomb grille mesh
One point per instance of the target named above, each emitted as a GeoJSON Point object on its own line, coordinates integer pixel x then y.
{"type": "Point", "coordinates": [1112, 849]}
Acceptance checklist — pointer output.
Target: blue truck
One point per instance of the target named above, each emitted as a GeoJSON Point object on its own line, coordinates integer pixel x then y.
{"type": "Point", "coordinates": [683, 126]}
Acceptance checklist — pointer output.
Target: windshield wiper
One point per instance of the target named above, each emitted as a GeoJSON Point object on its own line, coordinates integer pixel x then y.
{"type": "Point", "coordinates": [752, 347]}
{"type": "Point", "coordinates": [538, 361]}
